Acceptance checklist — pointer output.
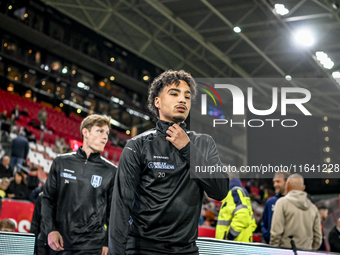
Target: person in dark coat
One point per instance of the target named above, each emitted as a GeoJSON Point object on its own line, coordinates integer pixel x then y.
{"type": "Point", "coordinates": [5, 169]}
{"type": "Point", "coordinates": [17, 188]}
{"type": "Point", "coordinates": [20, 148]}
{"type": "Point", "coordinates": [3, 116]}
{"type": "Point", "coordinates": [334, 238]}
{"type": "Point", "coordinates": [32, 179]}
{"type": "Point", "coordinates": [24, 112]}
{"type": "Point", "coordinates": [16, 112]}
{"type": "Point", "coordinates": [41, 247]}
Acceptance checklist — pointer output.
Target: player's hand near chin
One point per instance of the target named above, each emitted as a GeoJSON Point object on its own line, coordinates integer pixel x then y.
{"type": "Point", "coordinates": [177, 136]}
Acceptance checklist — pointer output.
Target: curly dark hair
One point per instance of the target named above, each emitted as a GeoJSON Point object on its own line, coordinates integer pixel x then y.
{"type": "Point", "coordinates": [167, 78]}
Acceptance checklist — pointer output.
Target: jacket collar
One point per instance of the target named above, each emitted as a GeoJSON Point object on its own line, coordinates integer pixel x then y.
{"type": "Point", "coordinates": [82, 154]}
{"type": "Point", "coordinates": [278, 195]}
{"type": "Point", "coordinates": [235, 183]}
{"type": "Point", "coordinates": [163, 126]}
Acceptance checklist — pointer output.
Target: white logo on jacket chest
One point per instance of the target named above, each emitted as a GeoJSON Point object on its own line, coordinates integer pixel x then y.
{"type": "Point", "coordinates": [160, 165]}
{"type": "Point", "coordinates": [96, 180]}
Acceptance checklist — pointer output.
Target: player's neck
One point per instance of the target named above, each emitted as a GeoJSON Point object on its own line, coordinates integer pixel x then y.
{"type": "Point", "coordinates": [88, 150]}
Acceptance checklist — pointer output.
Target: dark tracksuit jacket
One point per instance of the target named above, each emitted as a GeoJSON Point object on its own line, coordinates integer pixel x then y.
{"type": "Point", "coordinates": [267, 216]}
{"type": "Point", "coordinates": [41, 247]}
{"type": "Point", "coordinates": [154, 187]}
{"type": "Point", "coordinates": [77, 199]}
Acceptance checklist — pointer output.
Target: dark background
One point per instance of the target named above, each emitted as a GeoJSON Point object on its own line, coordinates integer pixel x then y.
{"type": "Point", "coordinates": [303, 144]}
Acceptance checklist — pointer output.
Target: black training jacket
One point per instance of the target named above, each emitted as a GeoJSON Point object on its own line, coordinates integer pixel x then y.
{"type": "Point", "coordinates": [153, 185]}
{"type": "Point", "coordinates": [77, 199]}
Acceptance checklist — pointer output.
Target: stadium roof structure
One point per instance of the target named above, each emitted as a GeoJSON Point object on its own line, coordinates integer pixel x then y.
{"type": "Point", "coordinates": [226, 38]}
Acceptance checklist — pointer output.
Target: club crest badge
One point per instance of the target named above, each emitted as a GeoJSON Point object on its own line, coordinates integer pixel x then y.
{"type": "Point", "coordinates": [96, 180]}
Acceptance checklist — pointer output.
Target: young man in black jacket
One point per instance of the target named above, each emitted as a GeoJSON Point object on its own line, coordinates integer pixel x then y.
{"type": "Point", "coordinates": [155, 204]}
{"type": "Point", "coordinates": [77, 197]}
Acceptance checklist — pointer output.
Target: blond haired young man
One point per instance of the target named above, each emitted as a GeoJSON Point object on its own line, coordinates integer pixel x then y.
{"type": "Point", "coordinates": [77, 197]}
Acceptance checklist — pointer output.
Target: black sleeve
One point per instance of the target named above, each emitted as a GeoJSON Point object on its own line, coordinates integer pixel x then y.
{"type": "Point", "coordinates": [22, 192]}
{"type": "Point", "coordinates": [126, 183]}
{"type": "Point", "coordinates": [27, 147]}
{"type": "Point", "coordinates": [10, 189]}
{"type": "Point", "coordinates": [49, 200]}
{"type": "Point", "coordinates": [333, 240]}
{"type": "Point", "coordinates": [31, 182]}
{"type": "Point", "coordinates": [108, 207]}
{"type": "Point", "coordinates": [35, 225]}
{"type": "Point", "coordinates": [216, 185]}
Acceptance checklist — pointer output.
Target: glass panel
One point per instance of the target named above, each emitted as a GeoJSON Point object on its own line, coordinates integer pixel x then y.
{"type": "Point", "coordinates": [76, 98]}
{"type": "Point", "coordinates": [10, 48]}
{"type": "Point", "coordinates": [36, 20]}
{"type": "Point", "coordinates": [60, 91]}
{"type": "Point", "coordinates": [53, 64]}
{"type": "Point", "coordinates": [85, 77]}
{"type": "Point", "coordinates": [90, 103]}
{"type": "Point", "coordinates": [2, 67]}
{"type": "Point", "coordinates": [14, 73]}
{"type": "Point", "coordinates": [56, 31]}
{"type": "Point", "coordinates": [34, 57]}
{"type": "Point", "coordinates": [30, 79]}
{"type": "Point", "coordinates": [103, 108]}
{"type": "Point", "coordinates": [48, 86]}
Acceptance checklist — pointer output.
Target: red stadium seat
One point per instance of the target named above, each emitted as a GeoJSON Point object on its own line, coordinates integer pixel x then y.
{"type": "Point", "coordinates": [57, 122]}
{"type": "Point", "coordinates": [206, 232]}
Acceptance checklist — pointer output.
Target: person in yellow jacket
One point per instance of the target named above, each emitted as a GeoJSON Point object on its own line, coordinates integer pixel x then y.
{"type": "Point", "coordinates": [236, 220]}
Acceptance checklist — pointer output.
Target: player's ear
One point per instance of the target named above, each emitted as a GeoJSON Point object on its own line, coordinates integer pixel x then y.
{"type": "Point", "coordinates": [85, 132]}
{"type": "Point", "coordinates": [158, 102]}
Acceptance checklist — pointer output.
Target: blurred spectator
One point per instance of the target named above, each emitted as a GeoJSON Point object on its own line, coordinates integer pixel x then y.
{"type": "Point", "coordinates": [209, 212]}
{"type": "Point", "coordinates": [29, 135]}
{"type": "Point", "coordinates": [34, 123]}
{"type": "Point", "coordinates": [295, 215]}
{"type": "Point", "coordinates": [41, 248]}
{"type": "Point", "coordinates": [24, 112]}
{"type": "Point", "coordinates": [42, 116]}
{"type": "Point", "coordinates": [263, 193]}
{"type": "Point", "coordinates": [7, 225]}
{"type": "Point", "coordinates": [2, 151]}
{"type": "Point", "coordinates": [6, 144]}
{"type": "Point", "coordinates": [236, 220]}
{"type": "Point", "coordinates": [135, 100]}
{"type": "Point", "coordinates": [91, 111]}
{"type": "Point", "coordinates": [323, 212]}
{"type": "Point", "coordinates": [14, 132]}
{"type": "Point", "coordinates": [12, 120]}
{"type": "Point", "coordinates": [60, 146]}
{"type": "Point", "coordinates": [35, 193]}
{"type": "Point", "coordinates": [113, 137]}
{"type": "Point", "coordinates": [17, 188]}
{"type": "Point", "coordinates": [5, 169]}
{"type": "Point", "coordinates": [32, 179]}
{"type": "Point", "coordinates": [3, 116]}
{"type": "Point", "coordinates": [16, 112]}
{"type": "Point", "coordinates": [4, 186]}
{"type": "Point", "coordinates": [42, 126]}
{"type": "Point", "coordinates": [334, 237]}
{"type": "Point", "coordinates": [20, 148]}
{"type": "Point", "coordinates": [248, 187]}
{"type": "Point", "coordinates": [279, 183]}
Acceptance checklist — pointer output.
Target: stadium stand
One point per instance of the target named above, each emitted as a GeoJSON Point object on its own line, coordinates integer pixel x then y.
{"type": "Point", "coordinates": [58, 125]}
